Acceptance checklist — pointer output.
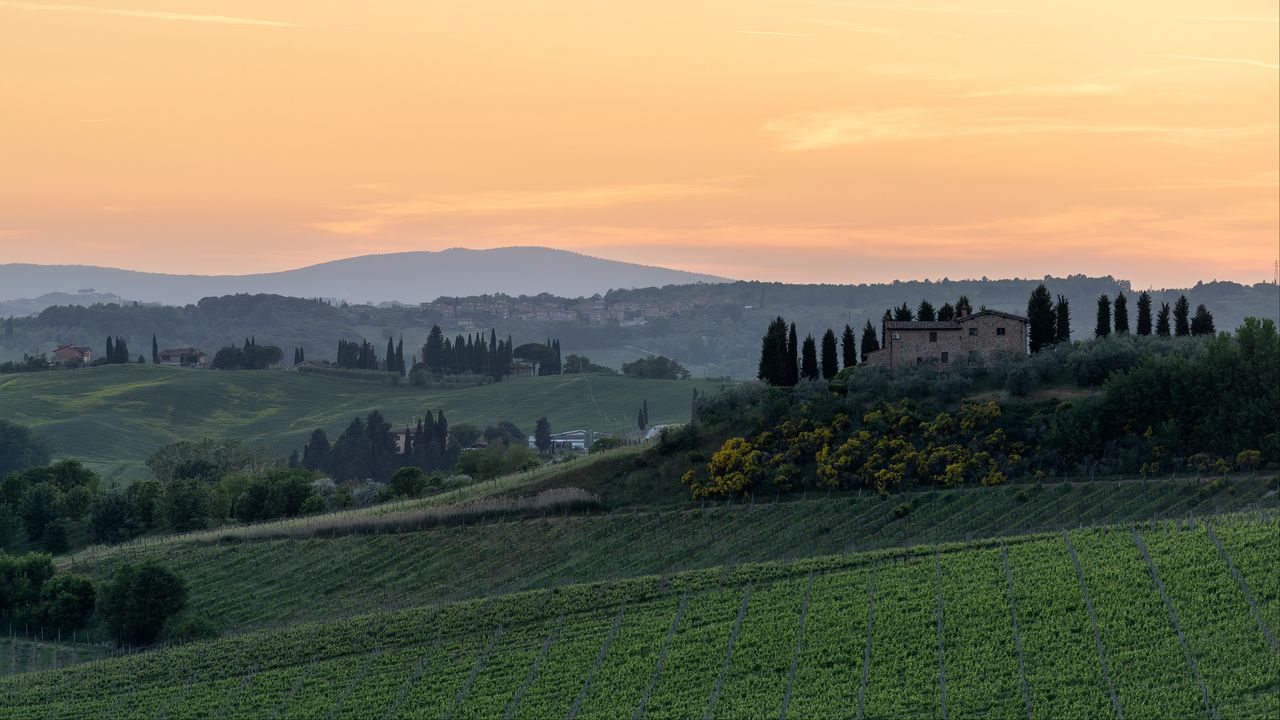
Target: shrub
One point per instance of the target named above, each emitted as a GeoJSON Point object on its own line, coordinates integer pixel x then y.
{"type": "Point", "coordinates": [66, 602]}
{"type": "Point", "coordinates": [902, 510]}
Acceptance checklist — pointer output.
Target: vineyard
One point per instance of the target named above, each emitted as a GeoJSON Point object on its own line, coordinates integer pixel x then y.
{"type": "Point", "coordinates": [1162, 619]}
{"type": "Point", "coordinates": [266, 582]}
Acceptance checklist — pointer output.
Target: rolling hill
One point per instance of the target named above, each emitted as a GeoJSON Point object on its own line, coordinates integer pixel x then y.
{"type": "Point", "coordinates": [113, 417]}
{"type": "Point", "coordinates": [409, 277]}
{"type": "Point", "coordinates": [1153, 621]}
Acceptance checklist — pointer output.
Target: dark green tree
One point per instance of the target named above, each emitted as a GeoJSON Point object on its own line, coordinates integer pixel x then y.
{"type": "Point", "coordinates": [315, 454]}
{"type": "Point", "coordinates": [8, 328]}
{"type": "Point", "coordinates": [1103, 326]}
{"type": "Point", "coordinates": [925, 312]}
{"type": "Point", "coordinates": [1041, 318]}
{"type": "Point", "coordinates": [848, 347]}
{"type": "Point", "coordinates": [773, 353]}
{"type": "Point", "coordinates": [66, 601]}
{"type": "Point", "coordinates": [155, 350]}
{"type": "Point", "coordinates": [542, 436]}
{"type": "Point", "coordinates": [903, 313]}
{"type": "Point", "coordinates": [963, 307]}
{"type": "Point", "coordinates": [947, 312]}
{"type": "Point", "coordinates": [1162, 320]}
{"type": "Point", "coordinates": [868, 344]}
{"type": "Point", "coordinates": [1121, 314]}
{"type": "Point", "coordinates": [1062, 320]}
{"type": "Point", "coordinates": [809, 361]}
{"type": "Point", "coordinates": [21, 448]}
{"type": "Point", "coordinates": [1144, 314]}
{"type": "Point", "coordinates": [1202, 323]}
{"type": "Point", "coordinates": [110, 354]}
{"type": "Point", "coordinates": [390, 364]}
{"type": "Point", "coordinates": [138, 600]}
{"type": "Point", "coordinates": [793, 366]}
{"type": "Point", "coordinates": [1182, 317]}
{"type": "Point", "coordinates": [830, 357]}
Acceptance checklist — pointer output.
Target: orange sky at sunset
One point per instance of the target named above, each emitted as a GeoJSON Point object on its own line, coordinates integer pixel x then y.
{"type": "Point", "coordinates": [798, 140]}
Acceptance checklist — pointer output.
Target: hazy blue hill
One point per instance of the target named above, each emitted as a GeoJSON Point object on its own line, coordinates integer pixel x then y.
{"type": "Point", "coordinates": [409, 277]}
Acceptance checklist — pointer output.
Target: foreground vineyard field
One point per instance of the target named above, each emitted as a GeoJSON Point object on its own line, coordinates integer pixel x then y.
{"type": "Point", "coordinates": [265, 582]}
{"type": "Point", "coordinates": [1151, 622]}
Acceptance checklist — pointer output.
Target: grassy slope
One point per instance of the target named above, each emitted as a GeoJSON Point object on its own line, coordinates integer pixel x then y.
{"type": "Point", "coordinates": [113, 417]}
{"type": "Point", "coordinates": [266, 582]}
{"type": "Point", "coordinates": [938, 612]}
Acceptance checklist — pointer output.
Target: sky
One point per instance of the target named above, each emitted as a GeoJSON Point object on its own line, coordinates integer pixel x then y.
{"type": "Point", "coordinates": [796, 140]}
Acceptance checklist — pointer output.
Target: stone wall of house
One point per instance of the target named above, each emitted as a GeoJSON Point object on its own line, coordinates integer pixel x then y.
{"type": "Point", "coordinates": [976, 336]}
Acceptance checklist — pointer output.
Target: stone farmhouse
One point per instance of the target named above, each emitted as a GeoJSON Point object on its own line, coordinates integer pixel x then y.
{"type": "Point", "coordinates": [182, 356]}
{"type": "Point", "coordinates": [942, 343]}
{"type": "Point", "coordinates": [64, 354]}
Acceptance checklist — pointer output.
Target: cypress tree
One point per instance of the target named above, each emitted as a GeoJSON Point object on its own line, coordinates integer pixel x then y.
{"type": "Point", "coordinates": [848, 347]}
{"type": "Point", "coordinates": [926, 313]}
{"type": "Point", "coordinates": [830, 360]}
{"type": "Point", "coordinates": [1202, 323]}
{"type": "Point", "coordinates": [903, 313]}
{"type": "Point", "coordinates": [887, 317]}
{"type": "Point", "coordinates": [1041, 318]}
{"type": "Point", "coordinates": [1062, 320]}
{"type": "Point", "coordinates": [1162, 320]}
{"type": "Point", "coordinates": [155, 350]}
{"type": "Point", "coordinates": [809, 365]}
{"type": "Point", "coordinates": [1103, 327]}
{"type": "Point", "coordinates": [1181, 315]}
{"type": "Point", "coordinates": [773, 353]}
{"type": "Point", "coordinates": [8, 328]}
{"type": "Point", "coordinates": [869, 344]}
{"type": "Point", "coordinates": [1122, 314]}
{"type": "Point", "coordinates": [390, 365]}
{"type": "Point", "coordinates": [110, 354]}
{"type": "Point", "coordinates": [1144, 314]}
{"type": "Point", "coordinates": [793, 368]}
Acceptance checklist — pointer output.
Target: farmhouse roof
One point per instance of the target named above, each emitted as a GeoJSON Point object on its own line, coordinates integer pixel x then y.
{"type": "Point", "coordinates": [947, 324]}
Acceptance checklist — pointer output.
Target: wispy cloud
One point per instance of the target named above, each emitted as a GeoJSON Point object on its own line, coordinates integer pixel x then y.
{"type": "Point", "coordinates": [812, 131]}
{"type": "Point", "coordinates": [1232, 61]}
{"type": "Point", "coordinates": [1232, 18]}
{"type": "Point", "coordinates": [1073, 89]}
{"type": "Point", "coordinates": [938, 9]}
{"type": "Point", "coordinates": [151, 14]}
{"type": "Point", "coordinates": [771, 32]}
{"type": "Point", "coordinates": [855, 27]}
{"type": "Point", "coordinates": [370, 218]}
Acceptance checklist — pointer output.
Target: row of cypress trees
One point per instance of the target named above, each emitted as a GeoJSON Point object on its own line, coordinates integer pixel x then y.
{"type": "Point", "coordinates": [1176, 321]}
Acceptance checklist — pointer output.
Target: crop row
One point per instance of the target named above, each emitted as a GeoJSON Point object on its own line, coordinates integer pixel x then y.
{"type": "Point", "coordinates": [728, 643]}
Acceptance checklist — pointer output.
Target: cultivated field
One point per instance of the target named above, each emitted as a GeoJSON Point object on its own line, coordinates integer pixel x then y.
{"type": "Point", "coordinates": [1169, 620]}
{"type": "Point", "coordinates": [113, 417]}
{"type": "Point", "coordinates": [277, 572]}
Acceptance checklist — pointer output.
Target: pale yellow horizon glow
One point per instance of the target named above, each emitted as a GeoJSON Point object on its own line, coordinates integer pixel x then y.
{"type": "Point", "coordinates": [792, 140]}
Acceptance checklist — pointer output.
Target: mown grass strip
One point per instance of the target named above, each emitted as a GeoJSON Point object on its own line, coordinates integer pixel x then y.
{"type": "Point", "coordinates": [604, 650]}
{"type": "Point", "coordinates": [1017, 634]}
{"type": "Point", "coordinates": [866, 652]}
{"type": "Point", "coordinates": [532, 675]}
{"type": "Point", "coordinates": [1173, 617]}
{"type": "Point", "coordinates": [795, 654]}
{"type": "Point", "coordinates": [1244, 588]}
{"type": "Point", "coordinates": [662, 656]}
{"type": "Point", "coordinates": [1093, 620]}
{"type": "Point", "coordinates": [728, 655]}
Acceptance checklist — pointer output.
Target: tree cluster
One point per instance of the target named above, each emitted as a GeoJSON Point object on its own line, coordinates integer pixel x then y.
{"type": "Point", "coordinates": [250, 356]}
{"type": "Point", "coordinates": [117, 352]}
{"type": "Point", "coordinates": [1115, 315]}
{"type": "Point", "coordinates": [472, 354]}
{"type": "Point", "coordinates": [655, 368]}
{"type": "Point", "coordinates": [784, 361]}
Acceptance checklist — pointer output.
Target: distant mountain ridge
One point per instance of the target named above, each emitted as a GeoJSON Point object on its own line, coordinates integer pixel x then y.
{"type": "Point", "coordinates": [408, 277]}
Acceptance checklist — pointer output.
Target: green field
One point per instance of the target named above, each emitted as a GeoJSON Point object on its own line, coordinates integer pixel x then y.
{"type": "Point", "coordinates": [113, 417]}
{"type": "Point", "coordinates": [267, 582]}
{"type": "Point", "coordinates": [1145, 622]}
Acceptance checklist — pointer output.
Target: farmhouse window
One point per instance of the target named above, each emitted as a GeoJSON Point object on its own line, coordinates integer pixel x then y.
{"type": "Point", "coordinates": [897, 336]}
{"type": "Point", "coordinates": [999, 331]}
{"type": "Point", "coordinates": [933, 337]}
{"type": "Point", "coordinates": [945, 357]}
{"type": "Point", "coordinates": [973, 332]}
{"type": "Point", "coordinates": [919, 360]}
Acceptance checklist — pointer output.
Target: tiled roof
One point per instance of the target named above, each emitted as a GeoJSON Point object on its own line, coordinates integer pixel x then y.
{"type": "Point", "coordinates": [922, 325]}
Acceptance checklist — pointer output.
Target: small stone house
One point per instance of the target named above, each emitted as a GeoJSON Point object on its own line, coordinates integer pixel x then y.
{"type": "Point", "coordinates": [64, 354]}
{"type": "Point", "coordinates": [182, 356]}
{"type": "Point", "coordinates": [942, 343]}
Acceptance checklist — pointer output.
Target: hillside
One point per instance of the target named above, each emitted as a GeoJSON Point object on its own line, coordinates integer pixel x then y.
{"type": "Point", "coordinates": [230, 572]}
{"type": "Point", "coordinates": [113, 417]}
{"type": "Point", "coordinates": [1164, 620]}
{"type": "Point", "coordinates": [409, 277]}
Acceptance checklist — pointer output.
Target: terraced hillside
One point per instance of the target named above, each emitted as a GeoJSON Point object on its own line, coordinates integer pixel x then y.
{"type": "Point", "coordinates": [113, 417]}
{"type": "Point", "coordinates": [257, 582]}
{"type": "Point", "coordinates": [1168, 620]}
